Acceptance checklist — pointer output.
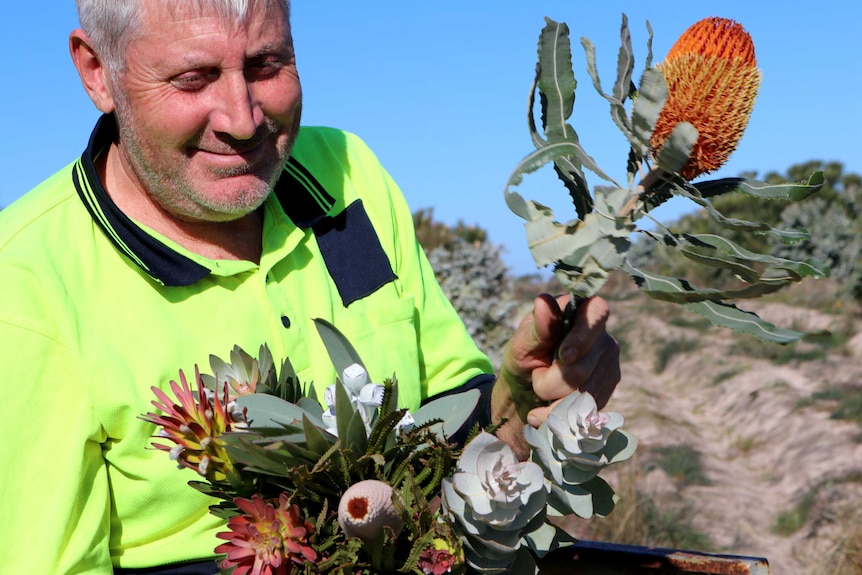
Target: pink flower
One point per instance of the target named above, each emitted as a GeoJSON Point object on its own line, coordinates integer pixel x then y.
{"type": "Point", "coordinates": [265, 539]}
{"type": "Point", "coordinates": [194, 426]}
{"type": "Point", "coordinates": [436, 561]}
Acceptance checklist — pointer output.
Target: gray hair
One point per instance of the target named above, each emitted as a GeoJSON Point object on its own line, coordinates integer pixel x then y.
{"type": "Point", "coordinates": [112, 24]}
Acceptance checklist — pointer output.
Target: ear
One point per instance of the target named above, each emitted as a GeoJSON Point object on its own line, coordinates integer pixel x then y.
{"type": "Point", "coordinates": [92, 71]}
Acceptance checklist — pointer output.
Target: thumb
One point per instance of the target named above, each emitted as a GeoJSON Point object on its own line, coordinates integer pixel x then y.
{"type": "Point", "coordinates": [536, 339]}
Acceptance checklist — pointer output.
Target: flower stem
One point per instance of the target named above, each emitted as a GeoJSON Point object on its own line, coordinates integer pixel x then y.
{"type": "Point", "coordinates": [654, 176]}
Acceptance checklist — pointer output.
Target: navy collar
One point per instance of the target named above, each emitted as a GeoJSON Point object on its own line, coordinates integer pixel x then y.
{"type": "Point", "coordinates": [301, 196]}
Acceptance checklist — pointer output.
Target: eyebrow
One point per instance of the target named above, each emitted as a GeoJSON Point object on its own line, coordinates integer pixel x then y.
{"type": "Point", "coordinates": [274, 47]}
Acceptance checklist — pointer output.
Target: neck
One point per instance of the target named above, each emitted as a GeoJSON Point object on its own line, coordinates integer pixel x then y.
{"type": "Point", "coordinates": [238, 239]}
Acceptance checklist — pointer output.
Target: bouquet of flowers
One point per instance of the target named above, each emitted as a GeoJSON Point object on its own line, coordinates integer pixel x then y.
{"type": "Point", "coordinates": [361, 486]}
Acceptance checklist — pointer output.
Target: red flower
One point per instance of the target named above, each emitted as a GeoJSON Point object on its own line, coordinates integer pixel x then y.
{"type": "Point", "coordinates": [436, 561]}
{"type": "Point", "coordinates": [266, 540]}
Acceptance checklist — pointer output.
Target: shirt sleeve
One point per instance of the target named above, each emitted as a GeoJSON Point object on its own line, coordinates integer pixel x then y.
{"type": "Point", "coordinates": [53, 482]}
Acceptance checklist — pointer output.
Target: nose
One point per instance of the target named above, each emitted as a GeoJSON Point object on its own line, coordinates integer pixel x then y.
{"type": "Point", "coordinates": [237, 112]}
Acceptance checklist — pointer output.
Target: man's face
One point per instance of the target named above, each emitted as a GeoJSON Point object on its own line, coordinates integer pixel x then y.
{"type": "Point", "coordinates": [207, 110]}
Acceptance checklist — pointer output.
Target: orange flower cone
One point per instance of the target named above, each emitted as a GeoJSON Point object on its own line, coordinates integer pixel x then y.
{"type": "Point", "coordinates": [712, 79]}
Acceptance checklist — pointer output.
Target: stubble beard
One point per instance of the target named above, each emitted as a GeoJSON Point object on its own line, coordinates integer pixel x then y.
{"type": "Point", "coordinates": [172, 190]}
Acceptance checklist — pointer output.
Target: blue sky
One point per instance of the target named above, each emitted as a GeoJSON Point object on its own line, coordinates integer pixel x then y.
{"type": "Point", "coordinates": [439, 91]}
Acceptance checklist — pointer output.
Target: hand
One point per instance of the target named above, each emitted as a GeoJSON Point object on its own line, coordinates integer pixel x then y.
{"type": "Point", "coordinates": [538, 369]}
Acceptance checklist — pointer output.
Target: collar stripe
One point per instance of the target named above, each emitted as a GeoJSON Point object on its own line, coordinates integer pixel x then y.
{"type": "Point", "coordinates": [159, 261]}
{"type": "Point", "coordinates": [311, 185]}
{"type": "Point", "coordinates": [85, 191]}
{"type": "Point", "coordinates": [302, 197]}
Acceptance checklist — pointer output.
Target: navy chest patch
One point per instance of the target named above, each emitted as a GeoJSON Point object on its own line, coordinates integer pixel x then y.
{"type": "Point", "coordinates": [354, 257]}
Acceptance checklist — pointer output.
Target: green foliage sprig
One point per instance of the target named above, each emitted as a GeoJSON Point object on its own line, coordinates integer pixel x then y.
{"type": "Point", "coordinates": [584, 250]}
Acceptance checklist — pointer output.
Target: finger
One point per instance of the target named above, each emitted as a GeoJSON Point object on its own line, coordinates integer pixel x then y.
{"type": "Point", "coordinates": [605, 374]}
{"type": "Point", "coordinates": [547, 326]}
{"type": "Point", "coordinates": [597, 372]}
{"type": "Point", "coordinates": [600, 385]}
{"type": "Point", "coordinates": [537, 416]}
{"type": "Point", "coordinates": [533, 342]}
{"type": "Point", "coordinates": [591, 318]}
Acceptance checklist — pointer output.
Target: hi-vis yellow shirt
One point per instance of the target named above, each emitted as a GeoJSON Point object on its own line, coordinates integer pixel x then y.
{"type": "Point", "coordinates": [95, 309]}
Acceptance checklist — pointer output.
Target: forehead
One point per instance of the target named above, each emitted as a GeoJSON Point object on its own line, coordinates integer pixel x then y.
{"type": "Point", "coordinates": [229, 14]}
{"type": "Point", "coordinates": [172, 29]}
{"type": "Point", "coordinates": [230, 10]}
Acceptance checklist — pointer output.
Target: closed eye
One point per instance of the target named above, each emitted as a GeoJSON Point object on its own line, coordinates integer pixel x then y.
{"type": "Point", "coordinates": [264, 68]}
{"type": "Point", "coordinates": [194, 80]}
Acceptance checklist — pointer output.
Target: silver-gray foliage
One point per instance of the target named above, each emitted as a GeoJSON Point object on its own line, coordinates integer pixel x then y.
{"type": "Point", "coordinates": [477, 282]}
{"type": "Point", "coordinates": [835, 237]}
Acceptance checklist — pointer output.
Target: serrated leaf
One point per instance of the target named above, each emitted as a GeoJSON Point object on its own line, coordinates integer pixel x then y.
{"type": "Point", "coordinates": [718, 313]}
{"type": "Point", "coordinates": [454, 410]}
{"type": "Point", "coordinates": [625, 63]}
{"type": "Point", "coordinates": [726, 315]}
{"type": "Point", "coordinates": [648, 63]}
{"type": "Point", "coordinates": [794, 192]}
{"type": "Point", "coordinates": [618, 112]}
{"type": "Point", "coordinates": [607, 214]}
{"type": "Point", "coordinates": [573, 179]}
{"type": "Point", "coordinates": [726, 246]}
{"type": "Point", "coordinates": [535, 135]}
{"type": "Point", "coordinates": [607, 253]}
{"type": "Point", "coordinates": [551, 152]}
{"type": "Point", "coordinates": [556, 80]}
{"type": "Point", "coordinates": [787, 236]}
{"type": "Point", "coordinates": [680, 291]}
{"type": "Point", "coordinates": [341, 351]}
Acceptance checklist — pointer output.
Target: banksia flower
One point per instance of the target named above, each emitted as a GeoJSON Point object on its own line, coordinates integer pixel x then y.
{"type": "Point", "coordinates": [265, 539]}
{"type": "Point", "coordinates": [712, 80]}
{"type": "Point", "coordinates": [194, 426]}
{"type": "Point", "coordinates": [366, 508]}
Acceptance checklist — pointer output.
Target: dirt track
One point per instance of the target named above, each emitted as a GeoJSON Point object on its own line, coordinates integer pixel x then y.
{"type": "Point", "coordinates": [765, 446]}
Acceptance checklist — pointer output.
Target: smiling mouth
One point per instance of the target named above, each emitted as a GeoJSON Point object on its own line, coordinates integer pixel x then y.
{"type": "Point", "coordinates": [247, 156]}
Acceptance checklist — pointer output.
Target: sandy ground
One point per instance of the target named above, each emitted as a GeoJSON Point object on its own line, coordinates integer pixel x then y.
{"type": "Point", "coordinates": [765, 446]}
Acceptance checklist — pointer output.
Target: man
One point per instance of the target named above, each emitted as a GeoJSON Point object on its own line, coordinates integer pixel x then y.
{"type": "Point", "coordinates": [200, 217]}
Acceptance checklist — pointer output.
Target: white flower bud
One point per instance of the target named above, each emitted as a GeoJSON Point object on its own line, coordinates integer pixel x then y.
{"type": "Point", "coordinates": [354, 378]}
{"type": "Point", "coordinates": [371, 395]}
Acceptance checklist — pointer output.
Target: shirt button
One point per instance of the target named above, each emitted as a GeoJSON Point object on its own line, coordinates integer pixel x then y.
{"type": "Point", "coordinates": [285, 321]}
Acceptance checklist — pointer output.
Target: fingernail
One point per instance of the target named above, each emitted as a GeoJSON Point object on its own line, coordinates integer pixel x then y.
{"type": "Point", "coordinates": [533, 420]}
